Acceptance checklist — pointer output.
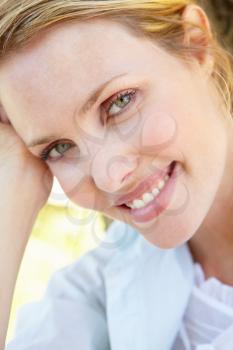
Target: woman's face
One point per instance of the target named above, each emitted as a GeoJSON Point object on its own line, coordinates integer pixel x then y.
{"type": "Point", "coordinates": [115, 144]}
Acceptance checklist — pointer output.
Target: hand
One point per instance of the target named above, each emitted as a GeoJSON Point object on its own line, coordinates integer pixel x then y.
{"type": "Point", "coordinates": [22, 175]}
{"type": "Point", "coordinates": [25, 184]}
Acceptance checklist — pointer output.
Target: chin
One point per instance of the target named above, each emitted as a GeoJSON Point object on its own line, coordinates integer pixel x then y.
{"type": "Point", "coordinates": [171, 232]}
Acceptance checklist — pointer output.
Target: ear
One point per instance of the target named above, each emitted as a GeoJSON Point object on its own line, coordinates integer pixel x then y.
{"type": "Point", "coordinates": [194, 36]}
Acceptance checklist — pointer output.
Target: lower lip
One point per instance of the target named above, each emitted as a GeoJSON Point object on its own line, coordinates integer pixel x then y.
{"type": "Point", "coordinates": [158, 205]}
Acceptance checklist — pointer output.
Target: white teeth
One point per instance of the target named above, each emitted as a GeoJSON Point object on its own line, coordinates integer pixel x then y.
{"type": "Point", "coordinates": [148, 196]}
{"type": "Point", "coordinates": [138, 203]}
{"type": "Point", "coordinates": [130, 206]}
{"type": "Point", "coordinates": [155, 192]}
{"type": "Point", "coordinates": [161, 184]}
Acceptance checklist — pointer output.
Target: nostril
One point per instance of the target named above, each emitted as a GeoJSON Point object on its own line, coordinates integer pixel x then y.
{"type": "Point", "coordinates": [172, 166]}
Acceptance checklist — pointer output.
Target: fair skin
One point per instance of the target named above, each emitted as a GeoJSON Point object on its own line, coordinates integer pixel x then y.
{"type": "Point", "coordinates": [174, 116]}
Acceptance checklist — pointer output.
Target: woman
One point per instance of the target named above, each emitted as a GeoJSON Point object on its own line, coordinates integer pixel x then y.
{"type": "Point", "coordinates": [139, 93]}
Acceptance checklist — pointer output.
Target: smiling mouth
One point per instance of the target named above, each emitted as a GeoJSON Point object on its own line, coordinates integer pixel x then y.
{"type": "Point", "coordinates": [153, 201]}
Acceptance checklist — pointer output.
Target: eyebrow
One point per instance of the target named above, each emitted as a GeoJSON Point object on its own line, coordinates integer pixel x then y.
{"type": "Point", "coordinates": [92, 99]}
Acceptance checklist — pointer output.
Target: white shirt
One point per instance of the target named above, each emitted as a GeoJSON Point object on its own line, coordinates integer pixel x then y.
{"type": "Point", "coordinates": [208, 319]}
{"type": "Point", "coordinates": [125, 294]}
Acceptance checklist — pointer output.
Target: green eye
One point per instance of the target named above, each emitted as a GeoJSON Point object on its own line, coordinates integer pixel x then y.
{"type": "Point", "coordinates": [62, 147]}
{"type": "Point", "coordinates": [54, 150]}
{"type": "Point", "coordinates": [117, 104]}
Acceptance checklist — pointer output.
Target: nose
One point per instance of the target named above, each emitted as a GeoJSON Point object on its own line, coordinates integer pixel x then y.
{"type": "Point", "coordinates": [111, 172]}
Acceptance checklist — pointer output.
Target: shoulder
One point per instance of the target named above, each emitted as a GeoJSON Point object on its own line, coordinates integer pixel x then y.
{"type": "Point", "coordinates": [84, 278]}
{"type": "Point", "coordinates": [96, 289]}
{"type": "Point", "coordinates": [122, 251]}
{"type": "Point", "coordinates": [75, 295]}
{"type": "Point", "coordinates": [89, 268]}
{"type": "Point", "coordinates": [121, 246]}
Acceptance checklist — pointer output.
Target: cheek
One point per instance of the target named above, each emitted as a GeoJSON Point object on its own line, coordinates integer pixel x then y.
{"type": "Point", "coordinates": [77, 186]}
{"type": "Point", "coordinates": [158, 130]}
{"type": "Point", "coordinates": [85, 196]}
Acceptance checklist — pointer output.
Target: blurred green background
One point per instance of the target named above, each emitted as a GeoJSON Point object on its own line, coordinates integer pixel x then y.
{"type": "Point", "coordinates": [61, 233]}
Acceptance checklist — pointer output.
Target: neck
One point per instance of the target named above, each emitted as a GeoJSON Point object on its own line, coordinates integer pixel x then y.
{"type": "Point", "coordinates": [215, 256]}
{"type": "Point", "coordinates": [212, 244]}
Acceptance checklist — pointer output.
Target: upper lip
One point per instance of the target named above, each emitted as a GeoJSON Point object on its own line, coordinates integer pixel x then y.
{"type": "Point", "coordinates": [144, 186]}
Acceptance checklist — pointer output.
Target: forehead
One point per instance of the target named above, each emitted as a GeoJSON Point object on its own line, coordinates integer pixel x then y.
{"type": "Point", "coordinates": [67, 61]}
{"type": "Point", "coordinates": [72, 50]}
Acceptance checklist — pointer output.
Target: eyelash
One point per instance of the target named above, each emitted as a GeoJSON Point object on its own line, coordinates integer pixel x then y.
{"type": "Point", "coordinates": [44, 155]}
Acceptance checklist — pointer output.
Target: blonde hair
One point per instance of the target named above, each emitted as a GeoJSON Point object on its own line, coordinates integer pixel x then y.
{"type": "Point", "coordinates": [160, 21]}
